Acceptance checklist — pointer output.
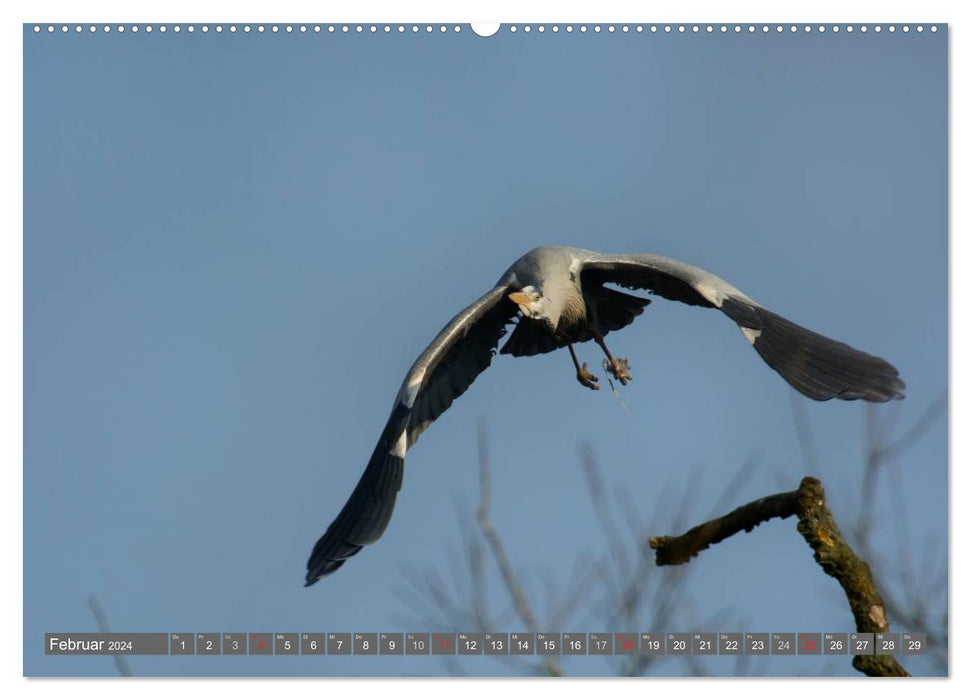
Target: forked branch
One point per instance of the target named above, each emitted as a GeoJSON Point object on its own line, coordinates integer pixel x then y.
{"type": "Point", "coordinates": [830, 550]}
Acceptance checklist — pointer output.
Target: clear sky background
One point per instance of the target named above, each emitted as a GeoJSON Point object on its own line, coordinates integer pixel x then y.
{"type": "Point", "coordinates": [236, 245]}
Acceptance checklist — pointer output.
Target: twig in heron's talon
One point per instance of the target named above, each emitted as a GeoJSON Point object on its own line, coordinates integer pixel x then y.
{"type": "Point", "coordinates": [619, 369]}
{"type": "Point", "coordinates": [622, 370]}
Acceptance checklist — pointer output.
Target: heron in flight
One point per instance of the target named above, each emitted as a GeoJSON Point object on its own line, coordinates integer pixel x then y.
{"type": "Point", "coordinates": [557, 298]}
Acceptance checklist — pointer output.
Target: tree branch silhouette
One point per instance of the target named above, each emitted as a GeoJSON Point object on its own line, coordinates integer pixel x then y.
{"type": "Point", "coordinates": [102, 619]}
{"type": "Point", "coordinates": [830, 550]}
{"type": "Point", "coordinates": [516, 592]}
{"type": "Point", "coordinates": [622, 588]}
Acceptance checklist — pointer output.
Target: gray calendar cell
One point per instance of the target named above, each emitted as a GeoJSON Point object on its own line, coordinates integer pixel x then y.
{"type": "Point", "coordinates": [286, 643]}
{"type": "Point", "coordinates": [783, 643]}
{"type": "Point", "coordinates": [443, 643]}
{"type": "Point", "coordinates": [391, 643]}
{"type": "Point", "coordinates": [181, 643]}
{"type": "Point", "coordinates": [730, 644]}
{"type": "Point", "coordinates": [652, 644]}
{"type": "Point", "coordinates": [312, 643]}
{"type": "Point", "coordinates": [756, 643]}
{"type": "Point", "coordinates": [861, 643]}
{"type": "Point", "coordinates": [234, 643]}
{"type": "Point", "coordinates": [835, 643]}
{"type": "Point", "coordinates": [600, 643]}
{"type": "Point", "coordinates": [704, 643]}
{"type": "Point", "coordinates": [913, 643]}
{"type": "Point", "coordinates": [886, 643]}
{"type": "Point", "coordinates": [365, 644]}
{"type": "Point", "coordinates": [417, 643]}
{"type": "Point", "coordinates": [260, 644]}
{"type": "Point", "coordinates": [574, 643]}
{"type": "Point", "coordinates": [339, 643]}
{"type": "Point", "coordinates": [678, 643]}
{"type": "Point", "coordinates": [207, 643]}
{"type": "Point", "coordinates": [470, 644]}
{"type": "Point", "coordinates": [496, 644]}
{"type": "Point", "coordinates": [809, 644]}
{"type": "Point", "coordinates": [522, 643]}
{"type": "Point", "coordinates": [547, 643]}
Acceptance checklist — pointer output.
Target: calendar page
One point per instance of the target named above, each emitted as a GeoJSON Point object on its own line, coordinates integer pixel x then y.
{"type": "Point", "coordinates": [519, 349]}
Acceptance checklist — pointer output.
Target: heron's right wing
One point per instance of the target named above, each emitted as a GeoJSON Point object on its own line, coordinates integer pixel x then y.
{"type": "Point", "coordinates": [459, 353]}
{"type": "Point", "coordinates": [818, 367]}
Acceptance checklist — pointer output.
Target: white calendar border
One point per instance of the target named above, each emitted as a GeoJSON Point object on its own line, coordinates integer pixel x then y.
{"type": "Point", "coordinates": [830, 11]}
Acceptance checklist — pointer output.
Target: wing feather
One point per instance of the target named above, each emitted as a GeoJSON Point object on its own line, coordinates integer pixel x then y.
{"type": "Point", "coordinates": [443, 372]}
{"type": "Point", "coordinates": [817, 366]}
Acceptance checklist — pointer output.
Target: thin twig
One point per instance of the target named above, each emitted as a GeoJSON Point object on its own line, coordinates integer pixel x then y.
{"type": "Point", "coordinates": [916, 431]}
{"type": "Point", "coordinates": [491, 535]}
{"type": "Point", "coordinates": [102, 619]}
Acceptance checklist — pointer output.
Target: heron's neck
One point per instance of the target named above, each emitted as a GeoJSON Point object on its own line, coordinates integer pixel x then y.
{"type": "Point", "coordinates": [566, 306]}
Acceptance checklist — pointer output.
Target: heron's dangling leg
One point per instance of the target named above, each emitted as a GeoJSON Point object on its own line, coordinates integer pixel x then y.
{"type": "Point", "coordinates": [619, 368]}
{"type": "Point", "coordinates": [583, 374]}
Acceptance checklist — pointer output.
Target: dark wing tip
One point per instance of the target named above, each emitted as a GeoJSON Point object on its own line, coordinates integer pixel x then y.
{"type": "Point", "coordinates": [362, 520]}
{"type": "Point", "coordinates": [823, 368]}
{"type": "Point", "coordinates": [324, 567]}
{"type": "Point", "coordinates": [884, 383]}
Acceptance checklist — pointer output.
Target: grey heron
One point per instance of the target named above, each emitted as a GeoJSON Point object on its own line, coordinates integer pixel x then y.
{"type": "Point", "coordinates": [557, 297]}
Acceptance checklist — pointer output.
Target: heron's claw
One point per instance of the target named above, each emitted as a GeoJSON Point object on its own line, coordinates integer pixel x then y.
{"type": "Point", "coordinates": [586, 378]}
{"type": "Point", "coordinates": [620, 369]}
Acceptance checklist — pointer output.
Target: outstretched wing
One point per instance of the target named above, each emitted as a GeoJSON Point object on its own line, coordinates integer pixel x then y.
{"type": "Point", "coordinates": [817, 366]}
{"type": "Point", "coordinates": [459, 353]}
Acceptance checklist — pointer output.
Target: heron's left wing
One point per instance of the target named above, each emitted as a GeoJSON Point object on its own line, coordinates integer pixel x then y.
{"type": "Point", "coordinates": [817, 366]}
{"type": "Point", "coordinates": [459, 353]}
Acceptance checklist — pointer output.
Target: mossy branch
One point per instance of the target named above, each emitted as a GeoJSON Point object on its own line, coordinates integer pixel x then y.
{"type": "Point", "coordinates": [830, 550]}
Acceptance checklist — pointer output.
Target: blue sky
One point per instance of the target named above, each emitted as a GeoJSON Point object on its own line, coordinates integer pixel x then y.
{"type": "Point", "coordinates": [235, 246]}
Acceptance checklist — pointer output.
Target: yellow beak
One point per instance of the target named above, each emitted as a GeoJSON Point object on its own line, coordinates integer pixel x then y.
{"type": "Point", "coordinates": [519, 298]}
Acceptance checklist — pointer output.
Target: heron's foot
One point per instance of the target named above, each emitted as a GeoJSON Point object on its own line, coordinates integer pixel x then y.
{"type": "Point", "coordinates": [585, 377]}
{"type": "Point", "coordinates": [620, 369]}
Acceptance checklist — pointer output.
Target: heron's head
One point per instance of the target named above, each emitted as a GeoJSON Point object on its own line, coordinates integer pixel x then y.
{"type": "Point", "coordinates": [531, 302]}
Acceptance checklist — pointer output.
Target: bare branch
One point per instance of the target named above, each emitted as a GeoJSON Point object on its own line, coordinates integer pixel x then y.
{"type": "Point", "coordinates": [916, 431]}
{"type": "Point", "coordinates": [830, 550]}
{"type": "Point", "coordinates": [679, 550]}
{"type": "Point", "coordinates": [102, 619]}
{"type": "Point", "coordinates": [491, 535]}
{"type": "Point", "coordinates": [804, 434]}
{"type": "Point", "coordinates": [598, 498]}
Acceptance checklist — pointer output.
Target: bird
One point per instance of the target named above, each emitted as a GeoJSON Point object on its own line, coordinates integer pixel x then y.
{"type": "Point", "coordinates": [556, 297]}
